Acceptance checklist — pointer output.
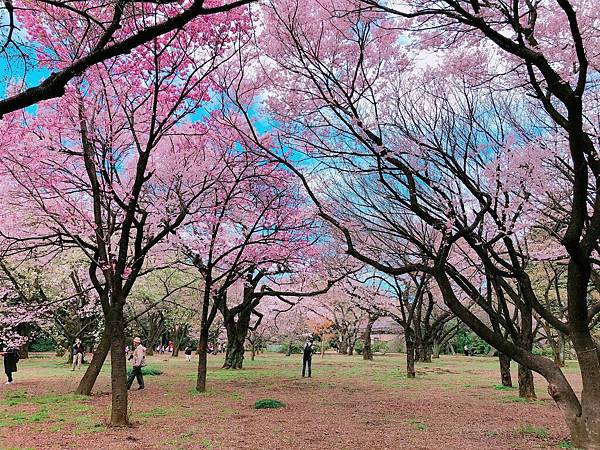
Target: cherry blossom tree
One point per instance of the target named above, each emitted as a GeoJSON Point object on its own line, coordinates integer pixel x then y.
{"type": "Point", "coordinates": [67, 39]}
{"type": "Point", "coordinates": [437, 168]}
{"type": "Point", "coordinates": [116, 171]}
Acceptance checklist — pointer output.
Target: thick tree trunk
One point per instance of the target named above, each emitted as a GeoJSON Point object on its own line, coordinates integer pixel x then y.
{"type": "Point", "coordinates": [237, 330]}
{"type": "Point", "coordinates": [342, 344]}
{"type": "Point", "coordinates": [367, 352]}
{"type": "Point", "coordinates": [588, 355]}
{"type": "Point", "coordinates": [427, 352]}
{"type": "Point", "coordinates": [350, 350]}
{"type": "Point", "coordinates": [505, 377]}
{"type": "Point", "coordinates": [175, 351]}
{"type": "Point", "coordinates": [236, 337]}
{"type": "Point", "coordinates": [24, 351]}
{"type": "Point", "coordinates": [410, 359]}
{"type": "Point", "coordinates": [436, 348]}
{"type": "Point", "coordinates": [583, 422]}
{"type": "Point", "coordinates": [202, 361]}
{"type": "Point", "coordinates": [423, 350]}
{"type": "Point", "coordinates": [526, 387]}
{"type": "Point", "coordinates": [118, 414]}
{"type": "Point", "coordinates": [150, 350]}
{"type": "Point", "coordinates": [252, 352]}
{"type": "Point", "coordinates": [91, 374]}
{"type": "Point", "coordinates": [234, 355]}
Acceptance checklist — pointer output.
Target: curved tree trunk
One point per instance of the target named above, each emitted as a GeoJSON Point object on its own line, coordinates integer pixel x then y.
{"type": "Point", "coordinates": [91, 374]}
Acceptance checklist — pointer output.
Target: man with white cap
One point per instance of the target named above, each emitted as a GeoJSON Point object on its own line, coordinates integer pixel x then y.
{"type": "Point", "coordinates": [139, 360]}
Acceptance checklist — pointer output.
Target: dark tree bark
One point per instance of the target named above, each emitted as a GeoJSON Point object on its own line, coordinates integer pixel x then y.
{"type": "Point", "coordinates": [54, 85]}
{"type": "Point", "coordinates": [24, 351]}
{"type": "Point", "coordinates": [505, 376]}
{"type": "Point", "coordinates": [118, 414]}
{"type": "Point", "coordinates": [237, 326]}
{"type": "Point", "coordinates": [367, 352]}
{"type": "Point", "coordinates": [234, 353]}
{"type": "Point", "coordinates": [202, 361]}
{"type": "Point", "coordinates": [91, 374]}
{"type": "Point", "coordinates": [410, 358]}
{"type": "Point", "coordinates": [526, 386]}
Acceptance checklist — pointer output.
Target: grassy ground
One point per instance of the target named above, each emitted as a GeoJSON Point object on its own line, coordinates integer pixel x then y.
{"type": "Point", "coordinates": [454, 403]}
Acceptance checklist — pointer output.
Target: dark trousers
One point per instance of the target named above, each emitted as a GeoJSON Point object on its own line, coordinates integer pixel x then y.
{"type": "Point", "coordinates": [9, 376]}
{"type": "Point", "coordinates": [306, 362]}
{"type": "Point", "coordinates": [136, 372]}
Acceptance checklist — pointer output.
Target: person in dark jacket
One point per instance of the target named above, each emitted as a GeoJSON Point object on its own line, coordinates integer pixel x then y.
{"type": "Point", "coordinates": [77, 352]}
{"type": "Point", "coordinates": [11, 358]}
{"type": "Point", "coordinates": [307, 357]}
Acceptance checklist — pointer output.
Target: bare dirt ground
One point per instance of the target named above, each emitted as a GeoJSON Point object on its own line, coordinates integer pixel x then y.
{"type": "Point", "coordinates": [454, 403]}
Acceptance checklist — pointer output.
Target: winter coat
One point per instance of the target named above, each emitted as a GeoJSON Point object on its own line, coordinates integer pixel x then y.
{"type": "Point", "coordinates": [10, 360]}
{"type": "Point", "coordinates": [139, 356]}
{"type": "Point", "coordinates": [78, 349]}
{"type": "Point", "coordinates": [308, 350]}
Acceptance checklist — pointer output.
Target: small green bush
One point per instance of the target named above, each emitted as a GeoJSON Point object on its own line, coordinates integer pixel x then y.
{"type": "Point", "coordinates": [380, 347]}
{"type": "Point", "coordinates": [358, 347]}
{"type": "Point", "coordinates": [149, 371]}
{"type": "Point", "coordinates": [296, 348]}
{"type": "Point", "coordinates": [543, 351]}
{"type": "Point", "coordinates": [268, 403]}
{"type": "Point", "coordinates": [42, 344]}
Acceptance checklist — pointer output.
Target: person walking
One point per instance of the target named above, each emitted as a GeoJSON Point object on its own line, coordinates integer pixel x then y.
{"type": "Point", "coordinates": [307, 357]}
{"type": "Point", "coordinates": [139, 360]}
{"type": "Point", "coordinates": [77, 352]}
{"type": "Point", "coordinates": [188, 353]}
{"type": "Point", "coordinates": [11, 358]}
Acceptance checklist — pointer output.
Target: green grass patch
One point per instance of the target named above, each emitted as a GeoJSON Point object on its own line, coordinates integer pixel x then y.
{"type": "Point", "coordinates": [500, 387]}
{"type": "Point", "coordinates": [530, 430]}
{"type": "Point", "coordinates": [268, 403]}
{"type": "Point", "coordinates": [514, 399]}
{"type": "Point", "coordinates": [421, 426]}
{"type": "Point", "coordinates": [206, 443]}
{"type": "Point", "coordinates": [156, 412]}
